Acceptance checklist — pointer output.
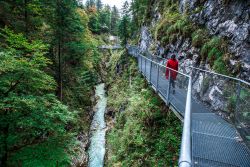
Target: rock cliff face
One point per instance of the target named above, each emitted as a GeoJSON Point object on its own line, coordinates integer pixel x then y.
{"type": "Point", "coordinates": [227, 19]}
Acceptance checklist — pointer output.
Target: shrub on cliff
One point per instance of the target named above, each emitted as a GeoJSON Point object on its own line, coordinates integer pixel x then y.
{"type": "Point", "coordinates": [145, 133]}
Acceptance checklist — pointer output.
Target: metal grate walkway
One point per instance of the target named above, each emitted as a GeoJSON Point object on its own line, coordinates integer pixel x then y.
{"type": "Point", "coordinates": [215, 142]}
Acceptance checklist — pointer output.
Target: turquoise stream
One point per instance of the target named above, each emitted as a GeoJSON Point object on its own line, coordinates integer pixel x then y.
{"type": "Point", "coordinates": [97, 140]}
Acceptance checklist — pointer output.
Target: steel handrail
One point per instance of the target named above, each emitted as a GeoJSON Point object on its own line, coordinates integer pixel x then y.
{"type": "Point", "coordinates": [222, 75]}
{"type": "Point", "coordinates": [164, 66]}
{"type": "Point", "coordinates": [185, 159]}
{"type": "Point", "coordinates": [214, 73]}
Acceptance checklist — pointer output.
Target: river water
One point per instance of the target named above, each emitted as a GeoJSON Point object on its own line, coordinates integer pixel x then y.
{"type": "Point", "coordinates": [97, 140]}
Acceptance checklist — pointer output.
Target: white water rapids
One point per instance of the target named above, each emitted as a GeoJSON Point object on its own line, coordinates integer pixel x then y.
{"type": "Point", "coordinates": [97, 140]}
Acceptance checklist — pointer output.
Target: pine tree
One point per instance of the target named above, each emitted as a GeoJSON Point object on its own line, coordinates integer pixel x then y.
{"type": "Point", "coordinates": [124, 25]}
{"type": "Point", "coordinates": [92, 3]}
{"type": "Point", "coordinates": [87, 4]}
{"type": "Point", "coordinates": [138, 9]}
{"type": "Point", "coordinates": [114, 20]}
{"type": "Point", "coordinates": [105, 19]}
{"type": "Point", "coordinates": [99, 5]}
{"type": "Point", "coordinates": [26, 18]}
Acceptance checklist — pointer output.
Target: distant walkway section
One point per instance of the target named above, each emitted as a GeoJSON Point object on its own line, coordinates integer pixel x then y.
{"type": "Point", "coordinates": [112, 47]}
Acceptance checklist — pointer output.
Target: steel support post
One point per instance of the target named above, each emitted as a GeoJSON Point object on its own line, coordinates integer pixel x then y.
{"type": "Point", "coordinates": [141, 63]}
{"type": "Point", "coordinates": [169, 87]}
{"type": "Point", "coordinates": [150, 71]}
{"type": "Point", "coordinates": [157, 78]}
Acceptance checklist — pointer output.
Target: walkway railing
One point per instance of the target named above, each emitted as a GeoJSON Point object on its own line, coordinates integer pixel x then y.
{"type": "Point", "coordinates": [171, 90]}
{"type": "Point", "coordinates": [112, 47]}
{"type": "Point", "coordinates": [232, 94]}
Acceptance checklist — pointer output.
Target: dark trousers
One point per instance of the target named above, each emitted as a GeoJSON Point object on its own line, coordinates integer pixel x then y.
{"type": "Point", "coordinates": [172, 82]}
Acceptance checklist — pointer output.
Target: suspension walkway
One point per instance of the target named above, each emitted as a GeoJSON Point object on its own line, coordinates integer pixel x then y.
{"type": "Point", "coordinates": [112, 47]}
{"type": "Point", "coordinates": [208, 140]}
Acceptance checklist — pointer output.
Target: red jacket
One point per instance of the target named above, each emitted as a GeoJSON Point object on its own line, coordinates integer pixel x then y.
{"type": "Point", "coordinates": [173, 64]}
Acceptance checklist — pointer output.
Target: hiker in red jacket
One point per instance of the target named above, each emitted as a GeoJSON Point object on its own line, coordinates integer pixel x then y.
{"type": "Point", "coordinates": [173, 64]}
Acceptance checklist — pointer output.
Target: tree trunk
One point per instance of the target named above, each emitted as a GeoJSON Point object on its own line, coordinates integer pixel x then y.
{"type": "Point", "coordinates": [26, 17]}
{"type": "Point", "coordinates": [5, 143]}
{"type": "Point", "coordinates": [59, 71]}
{"type": "Point", "coordinates": [60, 37]}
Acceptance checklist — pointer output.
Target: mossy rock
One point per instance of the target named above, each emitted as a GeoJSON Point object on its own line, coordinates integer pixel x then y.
{"type": "Point", "coordinates": [204, 51]}
{"type": "Point", "coordinates": [214, 54]}
{"type": "Point", "coordinates": [199, 37]}
{"type": "Point", "coordinates": [220, 66]}
{"type": "Point", "coordinates": [173, 38]}
{"type": "Point", "coordinates": [215, 42]}
{"type": "Point", "coordinates": [212, 49]}
{"type": "Point", "coordinates": [187, 31]}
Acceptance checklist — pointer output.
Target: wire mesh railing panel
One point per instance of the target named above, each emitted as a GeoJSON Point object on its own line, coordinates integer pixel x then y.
{"type": "Point", "coordinates": [154, 74]}
{"type": "Point", "coordinates": [139, 62]}
{"type": "Point", "coordinates": [242, 113]}
{"type": "Point", "coordinates": [133, 50]}
{"type": "Point", "coordinates": [178, 92]}
{"type": "Point", "coordinates": [166, 80]}
{"type": "Point", "coordinates": [173, 87]}
{"type": "Point", "coordinates": [143, 65]}
{"type": "Point", "coordinates": [215, 91]}
{"type": "Point", "coordinates": [163, 83]}
{"type": "Point", "coordinates": [228, 97]}
{"type": "Point", "coordinates": [148, 69]}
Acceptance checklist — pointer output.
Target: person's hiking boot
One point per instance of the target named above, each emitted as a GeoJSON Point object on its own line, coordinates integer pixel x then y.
{"type": "Point", "coordinates": [173, 91]}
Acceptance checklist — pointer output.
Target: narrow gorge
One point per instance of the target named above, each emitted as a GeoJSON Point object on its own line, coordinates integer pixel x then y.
{"type": "Point", "coordinates": [92, 83]}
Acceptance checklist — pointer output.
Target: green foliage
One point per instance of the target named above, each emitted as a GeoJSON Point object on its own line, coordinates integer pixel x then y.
{"type": "Point", "coordinates": [37, 129]}
{"type": "Point", "coordinates": [172, 23]}
{"type": "Point", "coordinates": [144, 133]}
{"type": "Point", "coordinates": [124, 25]}
{"type": "Point", "coordinates": [199, 37]}
{"type": "Point", "coordinates": [173, 38]}
{"type": "Point", "coordinates": [184, 26]}
{"type": "Point", "coordinates": [22, 64]}
{"type": "Point", "coordinates": [204, 51]}
{"type": "Point", "coordinates": [40, 155]}
{"type": "Point", "coordinates": [220, 66]}
{"type": "Point", "coordinates": [211, 49]}
{"type": "Point", "coordinates": [187, 31]}
{"type": "Point", "coordinates": [215, 42]}
{"type": "Point", "coordinates": [94, 24]}
{"type": "Point", "coordinates": [99, 5]}
{"type": "Point", "coordinates": [167, 24]}
{"type": "Point", "coordinates": [103, 19]}
{"type": "Point", "coordinates": [115, 17]}
{"type": "Point", "coordinates": [171, 30]}
{"type": "Point", "coordinates": [214, 54]}
{"type": "Point", "coordinates": [231, 103]}
{"type": "Point", "coordinates": [31, 117]}
{"type": "Point", "coordinates": [23, 16]}
{"type": "Point", "coordinates": [240, 112]}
